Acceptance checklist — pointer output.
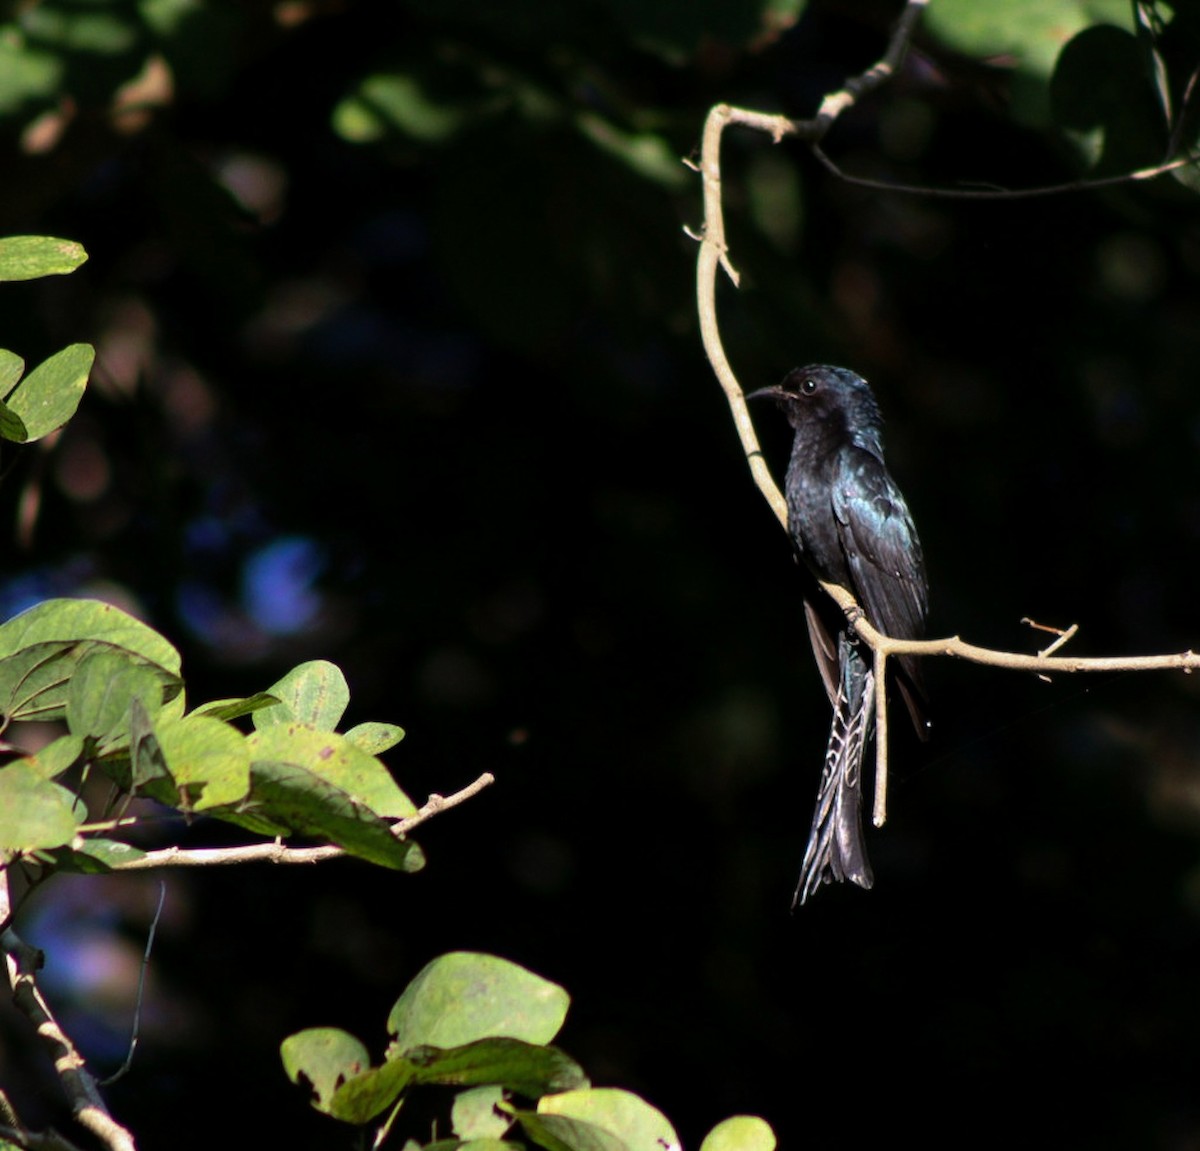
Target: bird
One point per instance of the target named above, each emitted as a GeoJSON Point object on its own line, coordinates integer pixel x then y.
{"type": "Point", "coordinates": [849, 525]}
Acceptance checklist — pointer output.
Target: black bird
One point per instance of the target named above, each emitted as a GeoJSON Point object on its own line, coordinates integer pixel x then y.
{"type": "Point", "coordinates": [850, 525]}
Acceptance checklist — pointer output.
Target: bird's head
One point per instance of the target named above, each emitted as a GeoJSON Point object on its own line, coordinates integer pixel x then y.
{"type": "Point", "coordinates": [824, 394]}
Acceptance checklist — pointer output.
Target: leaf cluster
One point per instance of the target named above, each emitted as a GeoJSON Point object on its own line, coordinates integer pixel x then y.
{"type": "Point", "coordinates": [483, 1026]}
{"type": "Point", "coordinates": [115, 684]}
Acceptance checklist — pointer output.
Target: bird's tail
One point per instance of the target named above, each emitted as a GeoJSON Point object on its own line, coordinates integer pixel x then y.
{"type": "Point", "coordinates": [835, 848]}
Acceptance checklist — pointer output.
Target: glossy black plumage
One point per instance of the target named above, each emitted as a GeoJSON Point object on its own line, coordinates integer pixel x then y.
{"type": "Point", "coordinates": [850, 526]}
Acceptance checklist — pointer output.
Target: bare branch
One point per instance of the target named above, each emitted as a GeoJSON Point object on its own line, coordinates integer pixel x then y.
{"type": "Point", "coordinates": [277, 852]}
{"type": "Point", "coordinates": [996, 193]}
{"type": "Point", "coordinates": [21, 963]}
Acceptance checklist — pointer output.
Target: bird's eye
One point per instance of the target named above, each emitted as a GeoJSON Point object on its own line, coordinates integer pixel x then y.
{"type": "Point", "coordinates": [808, 385]}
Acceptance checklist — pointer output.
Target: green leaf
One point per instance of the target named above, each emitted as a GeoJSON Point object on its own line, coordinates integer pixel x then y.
{"type": "Point", "coordinates": [12, 427]}
{"type": "Point", "coordinates": [561, 1133]}
{"type": "Point", "coordinates": [228, 709]}
{"type": "Point", "coordinates": [57, 756]}
{"type": "Point", "coordinates": [398, 102]}
{"type": "Point", "coordinates": [638, 1125]}
{"type": "Point", "coordinates": [27, 76]}
{"type": "Point", "coordinates": [35, 813]}
{"type": "Point", "coordinates": [208, 761]}
{"type": "Point", "coordinates": [94, 856]}
{"type": "Point", "coordinates": [740, 1133]}
{"type": "Point", "coordinates": [473, 1114]}
{"type": "Point", "coordinates": [47, 398]}
{"type": "Point", "coordinates": [323, 1057]}
{"type": "Point", "coordinates": [1031, 33]}
{"type": "Point", "coordinates": [111, 851]}
{"type": "Point", "coordinates": [11, 367]}
{"type": "Point", "coordinates": [102, 690]}
{"type": "Point", "coordinates": [34, 681]}
{"type": "Point", "coordinates": [646, 153]}
{"type": "Point", "coordinates": [316, 783]}
{"type": "Point", "coordinates": [463, 996]}
{"type": "Point", "coordinates": [337, 762]}
{"type": "Point", "coordinates": [315, 693]}
{"type": "Point", "coordinates": [364, 1096]}
{"type": "Point", "coordinates": [31, 257]}
{"type": "Point", "coordinates": [526, 1068]}
{"type": "Point", "coordinates": [41, 648]}
{"type": "Point", "coordinates": [90, 621]}
{"type": "Point", "coordinates": [147, 766]}
{"type": "Point", "coordinates": [375, 738]}
{"type": "Point", "coordinates": [1100, 96]}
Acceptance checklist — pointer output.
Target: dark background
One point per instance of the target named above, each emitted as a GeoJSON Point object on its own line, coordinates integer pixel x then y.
{"type": "Point", "coordinates": [434, 407]}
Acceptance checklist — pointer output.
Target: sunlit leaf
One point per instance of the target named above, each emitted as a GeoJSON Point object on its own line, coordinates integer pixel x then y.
{"type": "Point", "coordinates": [41, 648]}
{"type": "Point", "coordinates": [94, 856]}
{"type": "Point", "coordinates": [375, 738]}
{"type": "Point", "coordinates": [58, 755]}
{"type": "Point", "coordinates": [208, 761]}
{"type": "Point", "coordinates": [324, 1058]}
{"type": "Point", "coordinates": [11, 367]}
{"type": "Point", "coordinates": [12, 427]}
{"type": "Point", "coordinates": [34, 680]}
{"type": "Point", "coordinates": [740, 1133]}
{"type": "Point", "coordinates": [316, 783]}
{"type": "Point", "coordinates": [34, 812]}
{"type": "Point", "coordinates": [463, 996]}
{"type": "Point", "coordinates": [103, 688]}
{"type": "Point", "coordinates": [639, 1126]}
{"type": "Point", "coordinates": [314, 693]}
{"type": "Point", "coordinates": [31, 257]}
{"type": "Point", "coordinates": [473, 1114]}
{"type": "Point", "coordinates": [49, 395]}
{"type": "Point", "coordinates": [82, 620]}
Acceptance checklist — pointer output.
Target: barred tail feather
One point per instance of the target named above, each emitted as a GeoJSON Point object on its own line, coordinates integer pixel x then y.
{"type": "Point", "coordinates": [835, 850]}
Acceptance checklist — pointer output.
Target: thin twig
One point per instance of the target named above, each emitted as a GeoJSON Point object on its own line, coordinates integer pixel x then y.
{"type": "Point", "coordinates": [135, 1030]}
{"type": "Point", "coordinates": [997, 193]}
{"type": "Point", "coordinates": [879, 810]}
{"type": "Point", "coordinates": [277, 852]}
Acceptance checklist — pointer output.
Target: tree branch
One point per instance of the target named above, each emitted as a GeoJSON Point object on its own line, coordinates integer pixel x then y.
{"type": "Point", "coordinates": [279, 853]}
{"type": "Point", "coordinates": [714, 254]}
{"type": "Point", "coordinates": [21, 963]}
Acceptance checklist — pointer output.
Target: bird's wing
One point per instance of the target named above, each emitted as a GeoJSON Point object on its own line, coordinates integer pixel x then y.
{"type": "Point", "coordinates": [883, 556]}
{"type": "Point", "coordinates": [881, 547]}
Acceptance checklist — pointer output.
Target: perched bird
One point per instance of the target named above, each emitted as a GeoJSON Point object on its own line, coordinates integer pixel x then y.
{"type": "Point", "coordinates": [850, 525]}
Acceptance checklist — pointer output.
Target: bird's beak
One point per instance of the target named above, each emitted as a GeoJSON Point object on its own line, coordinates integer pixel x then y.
{"type": "Point", "coordinates": [774, 392]}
